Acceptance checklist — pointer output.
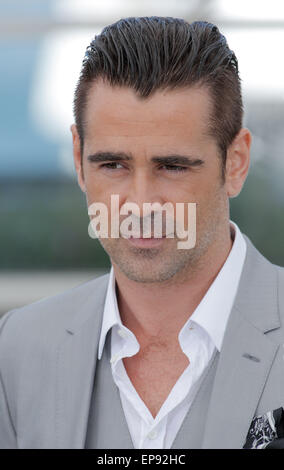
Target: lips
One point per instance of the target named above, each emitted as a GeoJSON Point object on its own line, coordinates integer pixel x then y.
{"type": "Point", "coordinates": [146, 238]}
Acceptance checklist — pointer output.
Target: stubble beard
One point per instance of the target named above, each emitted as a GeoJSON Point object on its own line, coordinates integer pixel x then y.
{"type": "Point", "coordinates": [166, 264]}
{"type": "Point", "coordinates": [147, 265]}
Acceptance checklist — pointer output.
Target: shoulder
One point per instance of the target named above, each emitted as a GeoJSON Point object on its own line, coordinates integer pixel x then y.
{"type": "Point", "coordinates": [266, 277]}
{"type": "Point", "coordinates": [280, 271]}
{"type": "Point", "coordinates": [280, 277]}
{"type": "Point", "coordinates": [48, 317]}
{"type": "Point", "coordinates": [260, 261]}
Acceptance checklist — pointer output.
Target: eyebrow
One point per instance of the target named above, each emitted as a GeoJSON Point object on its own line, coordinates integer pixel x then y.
{"type": "Point", "coordinates": [184, 160]}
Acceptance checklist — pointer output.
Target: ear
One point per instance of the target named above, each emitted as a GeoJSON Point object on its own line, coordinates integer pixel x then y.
{"type": "Point", "coordinates": [237, 162]}
{"type": "Point", "coordinates": [77, 157]}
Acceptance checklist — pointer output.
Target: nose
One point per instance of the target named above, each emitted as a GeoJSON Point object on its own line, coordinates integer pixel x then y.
{"type": "Point", "coordinates": [142, 188]}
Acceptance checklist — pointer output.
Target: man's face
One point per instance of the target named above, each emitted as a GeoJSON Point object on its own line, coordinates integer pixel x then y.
{"type": "Point", "coordinates": [169, 123]}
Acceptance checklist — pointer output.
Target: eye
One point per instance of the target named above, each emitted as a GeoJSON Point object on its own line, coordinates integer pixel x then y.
{"type": "Point", "coordinates": [174, 168]}
{"type": "Point", "coordinates": [111, 165]}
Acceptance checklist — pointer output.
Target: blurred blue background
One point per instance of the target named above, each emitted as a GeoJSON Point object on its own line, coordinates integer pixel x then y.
{"type": "Point", "coordinates": [44, 242]}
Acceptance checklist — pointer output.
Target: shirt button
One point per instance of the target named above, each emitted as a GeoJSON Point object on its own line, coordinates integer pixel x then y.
{"type": "Point", "coordinates": [152, 434]}
{"type": "Point", "coordinates": [122, 333]}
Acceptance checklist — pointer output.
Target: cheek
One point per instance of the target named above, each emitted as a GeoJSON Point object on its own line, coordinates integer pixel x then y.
{"type": "Point", "coordinates": [97, 188]}
{"type": "Point", "coordinates": [210, 196]}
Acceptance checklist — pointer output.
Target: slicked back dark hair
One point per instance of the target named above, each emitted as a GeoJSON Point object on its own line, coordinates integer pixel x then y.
{"type": "Point", "coordinates": [152, 53]}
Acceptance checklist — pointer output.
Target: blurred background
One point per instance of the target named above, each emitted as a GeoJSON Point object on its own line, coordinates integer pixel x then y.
{"type": "Point", "coordinates": [44, 242]}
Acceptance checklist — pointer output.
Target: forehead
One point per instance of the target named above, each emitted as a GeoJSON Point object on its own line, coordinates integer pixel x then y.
{"type": "Point", "coordinates": [119, 111]}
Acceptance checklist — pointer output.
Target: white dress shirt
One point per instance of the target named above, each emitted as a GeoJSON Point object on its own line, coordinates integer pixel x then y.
{"type": "Point", "coordinates": [199, 337]}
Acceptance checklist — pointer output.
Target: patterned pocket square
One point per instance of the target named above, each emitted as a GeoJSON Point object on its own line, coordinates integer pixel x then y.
{"type": "Point", "coordinates": [266, 431]}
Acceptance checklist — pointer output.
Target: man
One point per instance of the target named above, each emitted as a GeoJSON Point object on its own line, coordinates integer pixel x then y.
{"type": "Point", "coordinates": [174, 348]}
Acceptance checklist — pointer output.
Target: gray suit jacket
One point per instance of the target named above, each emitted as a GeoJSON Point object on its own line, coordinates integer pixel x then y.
{"type": "Point", "coordinates": [48, 355]}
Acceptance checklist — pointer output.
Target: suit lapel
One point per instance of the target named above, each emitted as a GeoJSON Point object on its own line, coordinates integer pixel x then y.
{"type": "Point", "coordinates": [246, 355]}
{"type": "Point", "coordinates": [244, 364]}
{"type": "Point", "coordinates": [76, 363]}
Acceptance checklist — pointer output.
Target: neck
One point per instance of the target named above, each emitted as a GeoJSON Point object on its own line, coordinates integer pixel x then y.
{"type": "Point", "coordinates": [162, 308]}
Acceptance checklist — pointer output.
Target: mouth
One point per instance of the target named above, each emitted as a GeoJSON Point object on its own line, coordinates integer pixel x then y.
{"type": "Point", "coordinates": [147, 238]}
{"type": "Point", "coordinates": [149, 242]}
